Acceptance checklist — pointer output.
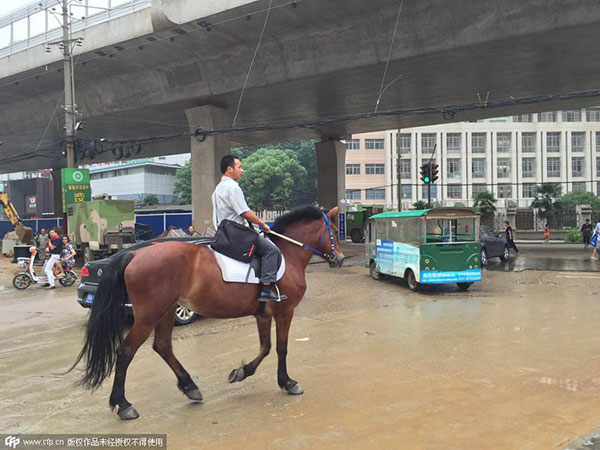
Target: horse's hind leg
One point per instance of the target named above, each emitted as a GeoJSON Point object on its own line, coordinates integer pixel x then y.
{"type": "Point", "coordinates": [163, 346]}
{"type": "Point", "coordinates": [264, 334]}
{"type": "Point", "coordinates": [135, 338]}
{"type": "Point", "coordinates": [283, 323]}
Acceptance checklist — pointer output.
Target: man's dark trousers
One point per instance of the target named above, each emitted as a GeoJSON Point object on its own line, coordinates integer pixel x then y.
{"type": "Point", "coordinates": [269, 260]}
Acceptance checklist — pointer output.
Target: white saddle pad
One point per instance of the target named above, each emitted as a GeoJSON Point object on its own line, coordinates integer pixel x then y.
{"type": "Point", "coordinates": [239, 272]}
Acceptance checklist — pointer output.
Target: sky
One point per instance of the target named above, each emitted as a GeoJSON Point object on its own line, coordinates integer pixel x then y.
{"type": "Point", "coordinates": [7, 6]}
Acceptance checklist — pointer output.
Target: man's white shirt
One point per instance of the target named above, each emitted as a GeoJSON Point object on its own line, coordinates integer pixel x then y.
{"type": "Point", "coordinates": [228, 202]}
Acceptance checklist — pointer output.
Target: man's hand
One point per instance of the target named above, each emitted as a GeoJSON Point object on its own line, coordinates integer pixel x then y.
{"type": "Point", "coordinates": [266, 228]}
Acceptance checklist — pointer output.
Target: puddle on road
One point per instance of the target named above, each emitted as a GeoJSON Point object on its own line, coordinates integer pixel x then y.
{"type": "Point", "coordinates": [521, 262]}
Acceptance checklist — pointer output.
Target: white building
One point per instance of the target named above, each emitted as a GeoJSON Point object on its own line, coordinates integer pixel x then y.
{"type": "Point", "coordinates": [508, 156]}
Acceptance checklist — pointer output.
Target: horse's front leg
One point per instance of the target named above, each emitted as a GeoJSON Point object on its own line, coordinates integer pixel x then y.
{"type": "Point", "coordinates": [264, 335]}
{"type": "Point", "coordinates": [282, 323]}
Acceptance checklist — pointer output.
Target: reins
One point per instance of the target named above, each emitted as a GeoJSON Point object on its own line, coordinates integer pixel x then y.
{"type": "Point", "coordinates": [329, 256]}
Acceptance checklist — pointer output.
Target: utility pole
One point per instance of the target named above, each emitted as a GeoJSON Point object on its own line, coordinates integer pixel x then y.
{"type": "Point", "coordinates": [69, 103]}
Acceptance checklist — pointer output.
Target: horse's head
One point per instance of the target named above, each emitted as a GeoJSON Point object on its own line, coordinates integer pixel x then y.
{"type": "Point", "coordinates": [330, 245]}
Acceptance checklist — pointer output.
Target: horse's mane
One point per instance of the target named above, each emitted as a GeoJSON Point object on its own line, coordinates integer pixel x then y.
{"type": "Point", "coordinates": [307, 212]}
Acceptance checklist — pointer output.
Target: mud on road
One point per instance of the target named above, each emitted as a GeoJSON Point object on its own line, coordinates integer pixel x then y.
{"type": "Point", "coordinates": [513, 363]}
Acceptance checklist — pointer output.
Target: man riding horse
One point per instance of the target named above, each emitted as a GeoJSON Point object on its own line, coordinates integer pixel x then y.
{"type": "Point", "coordinates": [229, 203]}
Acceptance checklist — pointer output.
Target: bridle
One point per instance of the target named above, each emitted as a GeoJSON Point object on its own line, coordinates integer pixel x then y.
{"type": "Point", "coordinates": [331, 256]}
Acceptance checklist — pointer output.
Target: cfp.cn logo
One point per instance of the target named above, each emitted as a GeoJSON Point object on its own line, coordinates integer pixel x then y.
{"type": "Point", "coordinates": [12, 441]}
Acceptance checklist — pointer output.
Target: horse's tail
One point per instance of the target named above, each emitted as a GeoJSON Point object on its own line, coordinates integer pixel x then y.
{"type": "Point", "coordinates": [104, 329]}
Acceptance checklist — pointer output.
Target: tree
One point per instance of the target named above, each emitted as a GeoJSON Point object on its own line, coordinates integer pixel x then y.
{"type": "Point", "coordinates": [570, 201]}
{"type": "Point", "coordinates": [485, 203]}
{"type": "Point", "coordinates": [183, 183]}
{"type": "Point", "coordinates": [544, 199]}
{"type": "Point", "coordinates": [149, 200]}
{"type": "Point", "coordinates": [419, 204]}
{"type": "Point", "coordinates": [271, 177]}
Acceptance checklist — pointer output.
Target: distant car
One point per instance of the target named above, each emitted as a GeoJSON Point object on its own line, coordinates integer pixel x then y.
{"type": "Point", "coordinates": [92, 271]}
{"type": "Point", "coordinates": [493, 245]}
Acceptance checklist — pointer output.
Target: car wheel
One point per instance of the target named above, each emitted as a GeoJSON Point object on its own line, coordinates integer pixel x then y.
{"type": "Point", "coordinates": [463, 286]}
{"type": "Point", "coordinates": [22, 281]}
{"type": "Point", "coordinates": [483, 257]}
{"type": "Point", "coordinates": [373, 271]}
{"type": "Point", "coordinates": [356, 236]}
{"type": "Point", "coordinates": [411, 280]}
{"type": "Point", "coordinates": [183, 315]}
{"type": "Point", "coordinates": [505, 255]}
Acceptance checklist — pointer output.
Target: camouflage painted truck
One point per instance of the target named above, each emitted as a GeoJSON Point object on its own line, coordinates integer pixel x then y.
{"type": "Point", "coordinates": [101, 227]}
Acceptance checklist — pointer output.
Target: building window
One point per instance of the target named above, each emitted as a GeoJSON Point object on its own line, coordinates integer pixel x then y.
{"type": "Point", "coordinates": [375, 169]}
{"type": "Point", "coordinates": [405, 168]}
{"type": "Point", "coordinates": [503, 168]}
{"type": "Point", "coordinates": [571, 116]}
{"type": "Point", "coordinates": [504, 190]}
{"type": "Point", "coordinates": [352, 144]}
{"type": "Point", "coordinates": [523, 118]}
{"type": "Point", "coordinates": [579, 186]}
{"type": "Point", "coordinates": [553, 166]}
{"type": "Point", "coordinates": [577, 166]}
{"type": "Point", "coordinates": [404, 143]}
{"type": "Point", "coordinates": [406, 191]}
{"type": "Point", "coordinates": [433, 191]}
{"type": "Point", "coordinates": [503, 142]}
{"type": "Point", "coordinates": [454, 191]}
{"type": "Point", "coordinates": [578, 141]}
{"type": "Point", "coordinates": [548, 116]}
{"type": "Point", "coordinates": [352, 169]}
{"type": "Point", "coordinates": [478, 167]}
{"type": "Point", "coordinates": [598, 166]}
{"type": "Point", "coordinates": [528, 166]}
{"type": "Point", "coordinates": [453, 165]}
{"type": "Point", "coordinates": [375, 194]}
{"type": "Point", "coordinates": [553, 142]}
{"type": "Point", "coordinates": [593, 114]}
{"type": "Point", "coordinates": [352, 194]}
{"type": "Point", "coordinates": [428, 142]}
{"type": "Point", "coordinates": [528, 142]}
{"type": "Point", "coordinates": [478, 141]}
{"type": "Point", "coordinates": [529, 190]}
{"type": "Point", "coordinates": [453, 142]}
{"type": "Point", "coordinates": [374, 144]}
{"type": "Point", "coordinates": [479, 188]}
{"type": "Point", "coordinates": [598, 141]}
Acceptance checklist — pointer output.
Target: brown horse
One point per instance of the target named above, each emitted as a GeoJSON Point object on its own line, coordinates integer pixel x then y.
{"type": "Point", "coordinates": [195, 281]}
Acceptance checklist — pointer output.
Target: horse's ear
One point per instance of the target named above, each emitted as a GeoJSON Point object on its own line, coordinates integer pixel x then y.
{"type": "Point", "coordinates": [333, 212]}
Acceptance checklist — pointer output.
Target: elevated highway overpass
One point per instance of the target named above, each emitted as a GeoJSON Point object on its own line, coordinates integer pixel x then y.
{"type": "Point", "coordinates": [161, 67]}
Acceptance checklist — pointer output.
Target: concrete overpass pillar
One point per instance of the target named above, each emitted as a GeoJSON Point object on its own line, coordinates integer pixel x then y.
{"type": "Point", "coordinates": [331, 169]}
{"type": "Point", "coordinates": [206, 157]}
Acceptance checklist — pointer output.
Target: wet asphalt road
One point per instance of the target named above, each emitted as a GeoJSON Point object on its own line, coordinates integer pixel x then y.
{"type": "Point", "coordinates": [513, 363]}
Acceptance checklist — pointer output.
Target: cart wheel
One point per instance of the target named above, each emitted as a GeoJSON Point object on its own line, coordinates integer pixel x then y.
{"type": "Point", "coordinates": [356, 236]}
{"type": "Point", "coordinates": [463, 286]}
{"type": "Point", "coordinates": [411, 280]}
{"type": "Point", "coordinates": [22, 281]}
{"type": "Point", "coordinates": [373, 271]}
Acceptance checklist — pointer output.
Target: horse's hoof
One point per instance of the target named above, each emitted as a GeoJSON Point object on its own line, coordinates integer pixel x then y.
{"type": "Point", "coordinates": [294, 389]}
{"type": "Point", "coordinates": [237, 375]}
{"type": "Point", "coordinates": [128, 413]}
{"type": "Point", "coordinates": [194, 395]}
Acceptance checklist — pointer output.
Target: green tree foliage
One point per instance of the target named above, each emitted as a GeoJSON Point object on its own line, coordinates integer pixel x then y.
{"type": "Point", "coordinates": [545, 195]}
{"type": "Point", "coordinates": [271, 178]}
{"type": "Point", "coordinates": [570, 201]}
{"type": "Point", "coordinates": [149, 200]}
{"type": "Point", "coordinates": [420, 204]}
{"type": "Point", "coordinates": [485, 203]}
{"type": "Point", "coordinates": [183, 183]}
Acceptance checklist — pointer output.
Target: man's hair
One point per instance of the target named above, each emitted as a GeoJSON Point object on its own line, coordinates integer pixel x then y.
{"type": "Point", "coordinates": [587, 220]}
{"type": "Point", "coordinates": [507, 222]}
{"type": "Point", "coordinates": [228, 161]}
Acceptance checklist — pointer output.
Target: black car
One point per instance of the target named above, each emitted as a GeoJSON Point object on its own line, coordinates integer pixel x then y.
{"type": "Point", "coordinates": [493, 245]}
{"type": "Point", "coordinates": [92, 271]}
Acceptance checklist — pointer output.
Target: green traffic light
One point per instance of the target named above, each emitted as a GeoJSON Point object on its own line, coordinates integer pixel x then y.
{"type": "Point", "coordinates": [426, 179]}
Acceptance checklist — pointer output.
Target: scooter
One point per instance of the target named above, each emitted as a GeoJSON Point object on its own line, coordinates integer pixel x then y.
{"type": "Point", "coordinates": [24, 279]}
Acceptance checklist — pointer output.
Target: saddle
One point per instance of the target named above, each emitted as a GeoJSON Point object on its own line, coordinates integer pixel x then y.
{"type": "Point", "coordinates": [234, 271]}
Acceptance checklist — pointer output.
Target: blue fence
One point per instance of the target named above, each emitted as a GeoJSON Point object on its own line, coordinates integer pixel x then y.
{"type": "Point", "coordinates": [158, 222]}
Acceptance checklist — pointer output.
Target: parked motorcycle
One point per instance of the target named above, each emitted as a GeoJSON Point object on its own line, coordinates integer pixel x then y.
{"type": "Point", "coordinates": [24, 279]}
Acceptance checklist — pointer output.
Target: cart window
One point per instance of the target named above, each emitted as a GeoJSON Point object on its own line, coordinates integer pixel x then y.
{"type": "Point", "coordinates": [451, 230]}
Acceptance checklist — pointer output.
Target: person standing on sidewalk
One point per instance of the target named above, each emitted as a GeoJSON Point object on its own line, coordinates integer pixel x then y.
{"type": "Point", "coordinates": [55, 246]}
{"type": "Point", "coordinates": [596, 244]}
{"type": "Point", "coordinates": [508, 231]}
{"type": "Point", "coordinates": [586, 233]}
{"type": "Point", "coordinates": [546, 234]}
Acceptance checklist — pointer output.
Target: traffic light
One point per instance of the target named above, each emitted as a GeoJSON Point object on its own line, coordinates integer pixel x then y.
{"type": "Point", "coordinates": [435, 170]}
{"type": "Point", "coordinates": [426, 173]}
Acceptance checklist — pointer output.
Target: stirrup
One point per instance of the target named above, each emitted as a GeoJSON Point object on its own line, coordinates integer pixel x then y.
{"type": "Point", "coordinates": [271, 296]}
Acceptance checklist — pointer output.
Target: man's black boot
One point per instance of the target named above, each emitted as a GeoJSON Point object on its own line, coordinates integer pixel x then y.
{"type": "Point", "coordinates": [268, 294]}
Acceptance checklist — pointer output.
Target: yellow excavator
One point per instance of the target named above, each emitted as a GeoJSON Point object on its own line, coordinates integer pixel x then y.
{"type": "Point", "coordinates": [25, 234]}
